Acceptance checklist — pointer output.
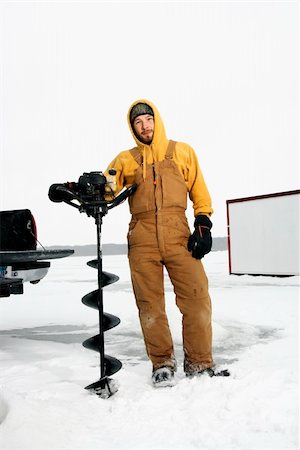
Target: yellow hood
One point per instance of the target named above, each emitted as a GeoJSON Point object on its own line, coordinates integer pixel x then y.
{"type": "Point", "coordinates": [157, 149]}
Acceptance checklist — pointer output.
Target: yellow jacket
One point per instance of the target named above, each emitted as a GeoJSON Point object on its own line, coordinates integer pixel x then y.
{"type": "Point", "coordinates": [184, 157]}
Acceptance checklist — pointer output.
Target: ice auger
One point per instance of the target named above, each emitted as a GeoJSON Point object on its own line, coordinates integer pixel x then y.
{"type": "Point", "coordinates": [93, 195]}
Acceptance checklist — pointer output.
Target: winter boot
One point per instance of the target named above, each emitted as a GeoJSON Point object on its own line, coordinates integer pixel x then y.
{"type": "Point", "coordinates": [196, 370]}
{"type": "Point", "coordinates": [163, 377]}
{"type": "Point", "coordinates": [210, 372]}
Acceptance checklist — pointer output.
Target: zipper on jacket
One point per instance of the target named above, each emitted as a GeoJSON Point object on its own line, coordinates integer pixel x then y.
{"type": "Point", "coordinates": [154, 183]}
{"type": "Point", "coordinates": [154, 174]}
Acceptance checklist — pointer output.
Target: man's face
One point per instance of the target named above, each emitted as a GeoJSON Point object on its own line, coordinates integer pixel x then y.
{"type": "Point", "coordinates": [143, 126]}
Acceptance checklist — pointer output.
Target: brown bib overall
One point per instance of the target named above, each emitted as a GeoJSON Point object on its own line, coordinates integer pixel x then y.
{"type": "Point", "coordinates": [157, 237]}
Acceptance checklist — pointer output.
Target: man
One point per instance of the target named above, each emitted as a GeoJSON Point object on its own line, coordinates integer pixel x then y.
{"type": "Point", "coordinates": [159, 236]}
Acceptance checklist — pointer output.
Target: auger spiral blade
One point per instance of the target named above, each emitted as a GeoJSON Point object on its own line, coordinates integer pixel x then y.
{"type": "Point", "coordinates": [109, 320]}
{"type": "Point", "coordinates": [91, 300]}
{"type": "Point", "coordinates": [106, 277]}
{"type": "Point", "coordinates": [111, 365]}
{"type": "Point", "coordinates": [104, 388]}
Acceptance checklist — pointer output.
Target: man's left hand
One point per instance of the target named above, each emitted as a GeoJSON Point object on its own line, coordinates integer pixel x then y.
{"type": "Point", "coordinates": [200, 242]}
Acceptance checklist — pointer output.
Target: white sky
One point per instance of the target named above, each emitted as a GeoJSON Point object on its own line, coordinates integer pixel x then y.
{"type": "Point", "coordinates": [224, 76]}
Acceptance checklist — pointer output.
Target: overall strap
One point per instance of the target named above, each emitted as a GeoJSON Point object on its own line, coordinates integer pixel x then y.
{"type": "Point", "coordinates": [137, 156]}
{"type": "Point", "coordinates": [170, 149]}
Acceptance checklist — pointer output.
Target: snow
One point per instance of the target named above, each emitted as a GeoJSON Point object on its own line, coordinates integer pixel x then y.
{"type": "Point", "coordinates": [44, 368]}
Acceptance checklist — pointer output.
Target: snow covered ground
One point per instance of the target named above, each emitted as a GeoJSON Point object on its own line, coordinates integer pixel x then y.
{"type": "Point", "coordinates": [44, 368]}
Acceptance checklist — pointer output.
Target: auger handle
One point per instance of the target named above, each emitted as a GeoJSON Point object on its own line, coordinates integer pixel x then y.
{"type": "Point", "coordinates": [60, 193]}
{"type": "Point", "coordinates": [122, 196]}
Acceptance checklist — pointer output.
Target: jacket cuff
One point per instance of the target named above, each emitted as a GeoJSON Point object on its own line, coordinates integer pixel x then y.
{"type": "Point", "coordinates": [202, 221]}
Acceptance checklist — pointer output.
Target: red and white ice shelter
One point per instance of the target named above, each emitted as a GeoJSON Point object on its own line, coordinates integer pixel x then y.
{"type": "Point", "coordinates": [263, 234]}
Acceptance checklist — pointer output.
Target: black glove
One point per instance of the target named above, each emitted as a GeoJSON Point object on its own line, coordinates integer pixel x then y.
{"type": "Point", "coordinates": [200, 242]}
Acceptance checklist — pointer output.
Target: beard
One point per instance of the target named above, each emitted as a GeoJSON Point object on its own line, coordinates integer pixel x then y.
{"type": "Point", "coordinates": [146, 138]}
